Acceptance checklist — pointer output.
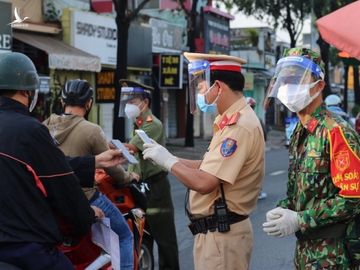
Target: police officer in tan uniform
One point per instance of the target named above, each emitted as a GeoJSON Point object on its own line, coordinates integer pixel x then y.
{"type": "Point", "coordinates": [224, 186]}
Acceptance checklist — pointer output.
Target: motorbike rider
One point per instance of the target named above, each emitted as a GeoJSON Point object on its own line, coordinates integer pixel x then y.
{"type": "Point", "coordinates": [333, 104]}
{"type": "Point", "coordinates": [36, 180]}
{"type": "Point", "coordinates": [76, 136]}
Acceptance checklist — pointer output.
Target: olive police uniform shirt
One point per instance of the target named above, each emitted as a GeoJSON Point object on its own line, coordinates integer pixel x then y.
{"type": "Point", "coordinates": [235, 156]}
{"type": "Point", "coordinates": [154, 129]}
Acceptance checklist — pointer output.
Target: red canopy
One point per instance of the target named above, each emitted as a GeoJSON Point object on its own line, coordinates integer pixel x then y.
{"type": "Point", "coordinates": [341, 29]}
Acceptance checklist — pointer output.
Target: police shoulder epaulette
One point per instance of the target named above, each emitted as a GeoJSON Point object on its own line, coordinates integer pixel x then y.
{"type": "Point", "coordinates": [139, 121]}
{"type": "Point", "coordinates": [312, 124]}
{"type": "Point", "coordinates": [149, 118]}
{"type": "Point", "coordinates": [233, 118]}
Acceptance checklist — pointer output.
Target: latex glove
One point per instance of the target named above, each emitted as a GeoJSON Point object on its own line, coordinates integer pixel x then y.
{"type": "Point", "coordinates": [281, 222]}
{"type": "Point", "coordinates": [273, 214]}
{"type": "Point", "coordinates": [160, 155]}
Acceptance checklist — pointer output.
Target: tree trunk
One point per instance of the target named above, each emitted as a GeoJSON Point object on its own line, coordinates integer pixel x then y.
{"type": "Point", "coordinates": [346, 75]}
{"type": "Point", "coordinates": [120, 73]}
{"type": "Point", "coordinates": [189, 135]}
{"type": "Point", "coordinates": [324, 52]}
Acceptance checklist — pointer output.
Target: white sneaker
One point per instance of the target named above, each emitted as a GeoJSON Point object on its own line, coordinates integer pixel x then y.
{"type": "Point", "coordinates": [262, 195]}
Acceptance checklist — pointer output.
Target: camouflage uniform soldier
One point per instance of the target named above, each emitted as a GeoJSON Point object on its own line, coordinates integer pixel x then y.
{"type": "Point", "coordinates": [324, 184]}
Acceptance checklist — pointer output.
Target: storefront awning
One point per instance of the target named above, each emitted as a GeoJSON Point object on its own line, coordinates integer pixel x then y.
{"type": "Point", "coordinates": [61, 55]}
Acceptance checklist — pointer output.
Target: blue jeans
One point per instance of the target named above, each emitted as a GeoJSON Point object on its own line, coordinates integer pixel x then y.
{"type": "Point", "coordinates": [121, 228]}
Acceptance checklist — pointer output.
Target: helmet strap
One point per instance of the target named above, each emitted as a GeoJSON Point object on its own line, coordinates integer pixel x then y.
{"type": "Point", "coordinates": [88, 106]}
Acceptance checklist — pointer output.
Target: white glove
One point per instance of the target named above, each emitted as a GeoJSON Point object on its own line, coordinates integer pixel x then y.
{"type": "Point", "coordinates": [160, 155]}
{"type": "Point", "coordinates": [273, 214]}
{"type": "Point", "coordinates": [281, 222]}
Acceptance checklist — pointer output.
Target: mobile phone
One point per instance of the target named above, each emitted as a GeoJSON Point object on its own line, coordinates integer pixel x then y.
{"type": "Point", "coordinates": [125, 152]}
{"type": "Point", "coordinates": [145, 138]}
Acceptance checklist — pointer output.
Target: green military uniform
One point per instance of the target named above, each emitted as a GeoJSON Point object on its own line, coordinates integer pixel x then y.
{"type": "Point", "coordinates": [313, 195]}
{"type": "Point", "coordinates": [160, 211]}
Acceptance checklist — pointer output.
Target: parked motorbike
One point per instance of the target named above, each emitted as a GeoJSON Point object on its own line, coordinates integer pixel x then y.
{"type": "Point", "coordinates": [131, 201]}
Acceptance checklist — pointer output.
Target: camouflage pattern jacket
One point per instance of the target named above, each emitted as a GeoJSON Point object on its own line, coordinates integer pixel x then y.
{"type": "Point", "coordinates": [312, 193]}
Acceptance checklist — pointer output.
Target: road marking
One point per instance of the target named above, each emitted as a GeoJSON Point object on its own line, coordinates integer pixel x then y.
{"type": "Point", "coordinates": [277, 173]}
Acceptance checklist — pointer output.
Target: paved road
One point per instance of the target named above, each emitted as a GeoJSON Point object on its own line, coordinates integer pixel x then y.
{"type": "Point", "coordinates": [268, 253]}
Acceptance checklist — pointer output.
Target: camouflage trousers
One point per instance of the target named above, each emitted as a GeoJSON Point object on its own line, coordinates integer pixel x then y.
{"type": "Point", "coordinates": [322, 254]}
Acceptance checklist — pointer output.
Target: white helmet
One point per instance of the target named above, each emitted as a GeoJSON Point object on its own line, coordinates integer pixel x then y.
{"type": "Point", "coordinates": [332, 100]}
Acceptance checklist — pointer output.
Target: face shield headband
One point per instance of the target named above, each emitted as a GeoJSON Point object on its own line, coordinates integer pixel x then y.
{"type": "Point", "coordinates": [199, 75]}
{"type": "Point", "coordinates": [294, 70]}
{"type": "Point", "coordinates": [127, 94]}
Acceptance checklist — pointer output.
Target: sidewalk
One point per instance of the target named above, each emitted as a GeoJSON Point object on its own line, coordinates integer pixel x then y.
{"type": "Point", "coordinates": [275, 140]}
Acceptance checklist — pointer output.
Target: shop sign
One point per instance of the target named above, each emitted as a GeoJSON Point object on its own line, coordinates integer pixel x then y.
{"type": "Point", "coordinates": [5, 28]}
{"type": "Point", "coordinates": [166, 37]}
{"type": "Point", "coordinates": [44, 84]}
{"type": "Point", "coordinates": [171, 69]}
{"type": "Point", "coordinates": [102, 6]}
{"type": "Point", "coordinates": [217, 34]}
{"type": "Point", "coordinates": [95, 34]}
{"type": "Point", "coordinates": [105, 87]}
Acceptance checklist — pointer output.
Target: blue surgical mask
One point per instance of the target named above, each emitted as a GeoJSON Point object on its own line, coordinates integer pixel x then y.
{"type": "Point", "coordinates": [203, 106]}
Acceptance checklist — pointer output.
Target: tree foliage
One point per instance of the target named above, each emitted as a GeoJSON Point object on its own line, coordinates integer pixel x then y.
{"type": "Point", "coordinates": [284, 14]}
{"type": "Point", "coordinates": [320, 9]}
{"type": "Point", "coordinates": [290, 15]}
{"type": "Point", "coordinates": [124, 17]}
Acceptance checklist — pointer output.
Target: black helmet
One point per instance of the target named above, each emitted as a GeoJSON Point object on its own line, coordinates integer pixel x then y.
{"type": "Point", "coordinates": [17, 72]}
{"type": "Point", "coordinates": [76, 92]}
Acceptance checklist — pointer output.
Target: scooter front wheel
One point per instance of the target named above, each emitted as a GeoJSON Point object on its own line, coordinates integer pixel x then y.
{"type": "Point", "coordinates": [146, 261]}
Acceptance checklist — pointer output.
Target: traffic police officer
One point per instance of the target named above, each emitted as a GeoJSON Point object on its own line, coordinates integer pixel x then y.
{"type": "Point", "coordinates": [135, 104]}
{"type": "Point", "coordinates": [324, 183]}
{"type": "Point", "coordinates": [224, 186]}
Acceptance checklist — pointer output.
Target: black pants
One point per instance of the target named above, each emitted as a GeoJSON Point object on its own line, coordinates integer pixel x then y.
{"type": "Point", "coordinates": [34, 256]}
{"type": "Point", "coordinates": [160, 221]}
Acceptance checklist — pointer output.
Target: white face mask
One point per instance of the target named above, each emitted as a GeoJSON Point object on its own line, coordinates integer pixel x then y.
{"type": "Point", "coordinates": [132, 111]}
{"type": "Point", "coordinates": [296, 96]}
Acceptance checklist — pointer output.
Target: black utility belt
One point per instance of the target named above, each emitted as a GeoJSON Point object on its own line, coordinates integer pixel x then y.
{"type": "Point", "coordinates": [327, 232]}
{"type": "Point", "coordinates": [210, 223]}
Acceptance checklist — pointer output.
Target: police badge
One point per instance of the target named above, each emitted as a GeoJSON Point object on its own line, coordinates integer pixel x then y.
{"type": "Point", "coordinates": [228, 147]}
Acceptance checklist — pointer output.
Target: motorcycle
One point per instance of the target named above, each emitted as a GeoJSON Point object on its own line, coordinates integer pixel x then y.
{"type": "Point", "coordinates": [131, 201]}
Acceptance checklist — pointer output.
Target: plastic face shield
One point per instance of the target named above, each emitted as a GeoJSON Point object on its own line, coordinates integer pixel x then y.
{"type": "Point", "coordinates": [294, 70]}
{"type": "Point", "coordinates": [199, 80]}
{"type": "Point", "coordinates": [127, 94]}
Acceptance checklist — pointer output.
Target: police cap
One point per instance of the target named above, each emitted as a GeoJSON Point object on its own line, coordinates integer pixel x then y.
{"type": "Point", "coordinates": [220, 62]}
